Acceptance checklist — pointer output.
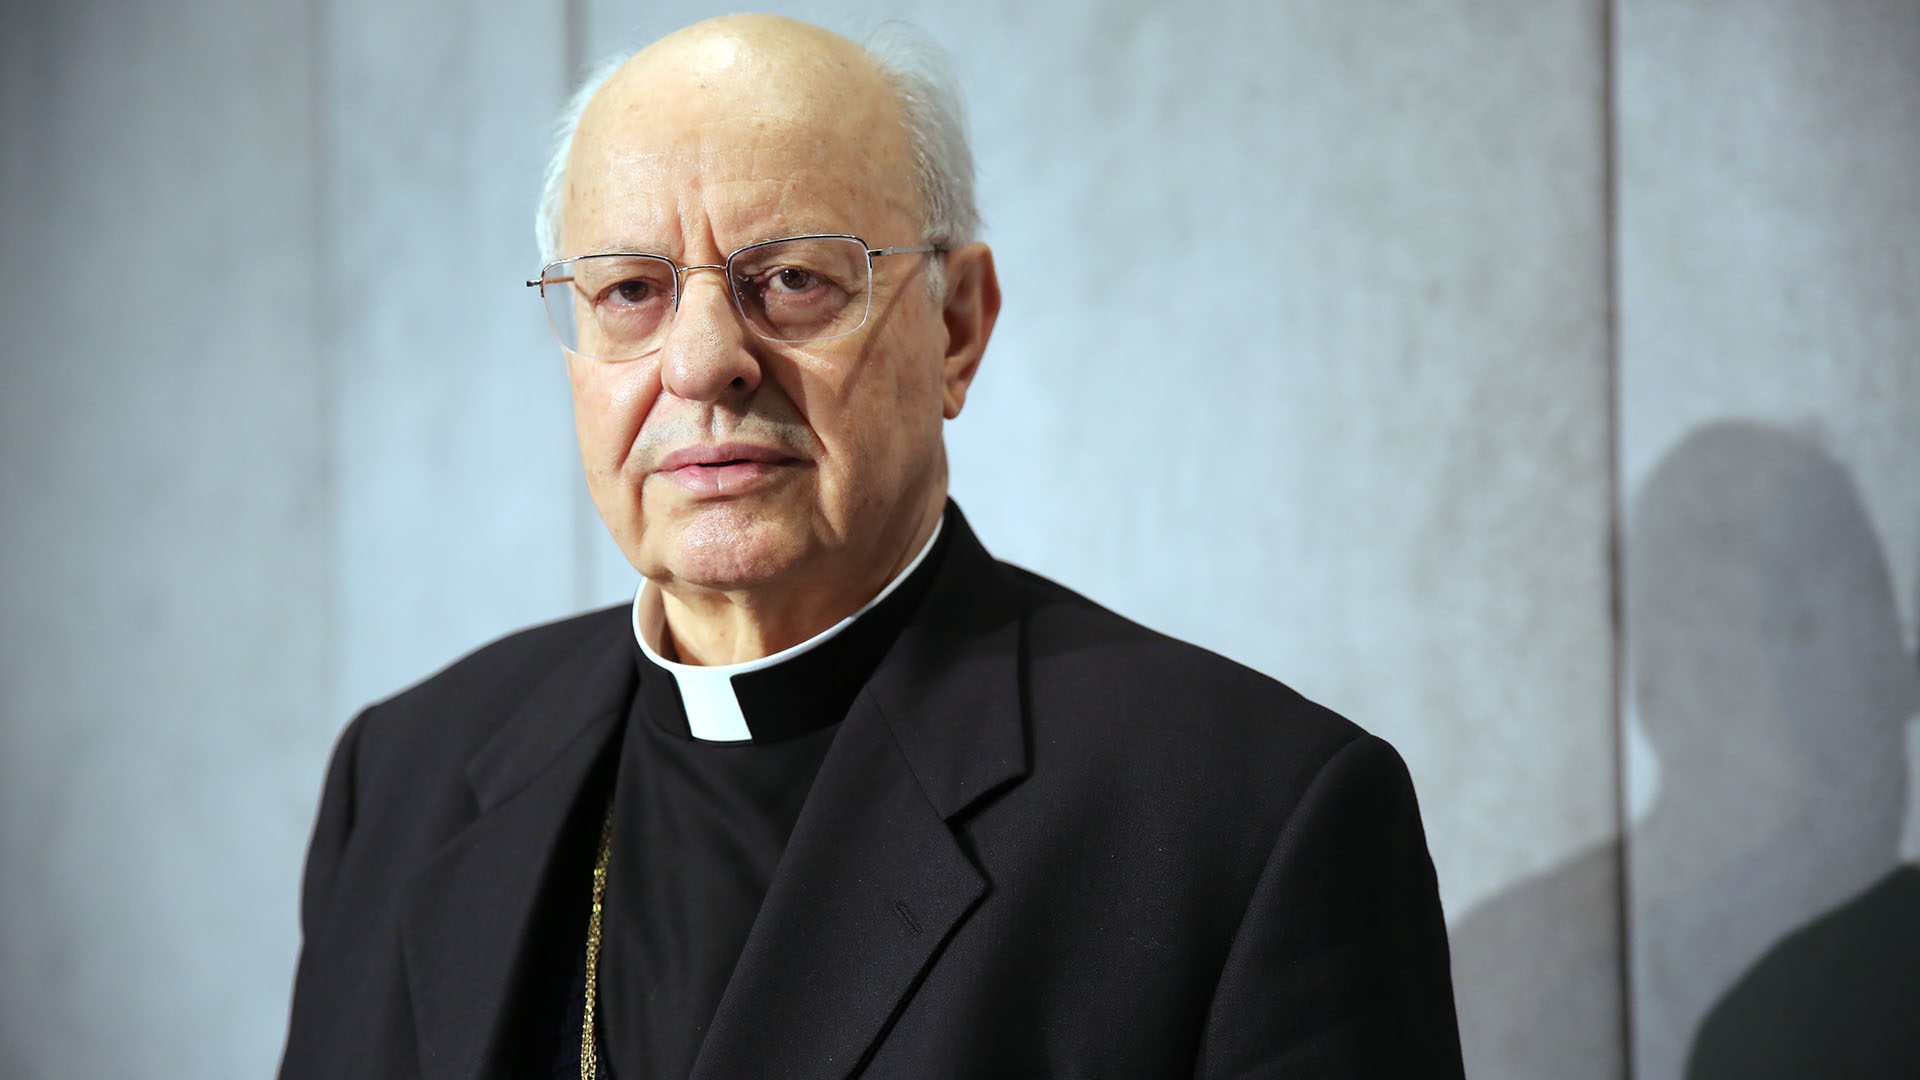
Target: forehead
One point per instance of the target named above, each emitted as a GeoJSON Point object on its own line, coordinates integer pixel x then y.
{"type": "Point", "coordinates": [681, 156]}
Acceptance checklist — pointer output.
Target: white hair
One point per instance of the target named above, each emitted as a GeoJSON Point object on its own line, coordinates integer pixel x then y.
{"type": "Point", "coordinates": [553, 191]}
{"type": "Point", "coordinates": [921, 77]}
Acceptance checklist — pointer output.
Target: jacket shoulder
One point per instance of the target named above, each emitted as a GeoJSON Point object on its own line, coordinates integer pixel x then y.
{"type": "Point", "coordinates": [1138, 701]}
{"type": "Point", "coordinates": [1070, 635]}
{"type": "Point", "coordinates": [450, 714]}
{"type": "Point", "coordinates": [514, 662]}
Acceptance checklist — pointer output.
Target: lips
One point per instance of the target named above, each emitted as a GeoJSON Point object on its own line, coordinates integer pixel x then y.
{"type": "Point", "coordinates": [723, 455]}
{"type": "Point", "coordinates": [726, 469]}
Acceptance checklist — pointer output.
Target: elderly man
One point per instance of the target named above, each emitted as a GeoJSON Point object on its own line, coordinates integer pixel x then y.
{"type": "Point", "coordinates": [837, 794]}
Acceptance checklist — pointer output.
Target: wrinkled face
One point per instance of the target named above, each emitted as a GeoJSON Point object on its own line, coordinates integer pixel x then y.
{"type": "Point", "coordinates": [724, 459]}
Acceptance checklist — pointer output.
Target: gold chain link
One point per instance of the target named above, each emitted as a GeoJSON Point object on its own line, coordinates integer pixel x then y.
{"type": "Point", "coordinates": [589, 1045]}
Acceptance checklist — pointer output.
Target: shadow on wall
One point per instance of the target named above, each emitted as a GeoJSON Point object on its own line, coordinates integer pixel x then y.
{"type": "Point", "coordinates": [1783, 754]}
{"type": "Point", "coordinates": [1771, 680]}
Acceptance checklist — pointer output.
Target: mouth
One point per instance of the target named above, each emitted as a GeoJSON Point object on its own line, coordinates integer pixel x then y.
{"type": "Point", "coordinates": [726, 469]}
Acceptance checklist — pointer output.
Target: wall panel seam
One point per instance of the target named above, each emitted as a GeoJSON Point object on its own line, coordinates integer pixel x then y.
{"type": "Point", "coordinates": [1616, 555]}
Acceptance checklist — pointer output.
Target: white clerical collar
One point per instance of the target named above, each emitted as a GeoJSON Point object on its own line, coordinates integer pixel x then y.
{"type": "Point", "coordinates": [713, 710]}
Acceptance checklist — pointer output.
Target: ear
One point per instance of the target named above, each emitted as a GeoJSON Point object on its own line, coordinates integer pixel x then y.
{"type": "Point", "coordinates": [972, 305]}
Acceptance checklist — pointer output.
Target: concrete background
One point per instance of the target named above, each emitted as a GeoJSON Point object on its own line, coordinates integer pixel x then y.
{"type": "Point", "coordinates": [1536, 383]}
{"type": "Point", "coordinates": [1769, 213]}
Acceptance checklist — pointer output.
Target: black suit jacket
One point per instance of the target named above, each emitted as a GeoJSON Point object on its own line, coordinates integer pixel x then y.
{"type": "Point", "coordinates": [1045, 842]}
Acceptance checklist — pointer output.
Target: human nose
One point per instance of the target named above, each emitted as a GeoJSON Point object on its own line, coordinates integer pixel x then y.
{"type": "Point", "coordinates": [707, 354]}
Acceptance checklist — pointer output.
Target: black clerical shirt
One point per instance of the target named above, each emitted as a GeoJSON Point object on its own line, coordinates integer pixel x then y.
{"type": "Point", "coordinates": [699, 828]}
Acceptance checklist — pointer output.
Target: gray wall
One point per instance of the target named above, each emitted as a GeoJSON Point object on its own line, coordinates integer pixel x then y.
{"type": "Point", "coordinates": [1343, 338]}
{"type": "Point", "coordinates": [1770, 461]}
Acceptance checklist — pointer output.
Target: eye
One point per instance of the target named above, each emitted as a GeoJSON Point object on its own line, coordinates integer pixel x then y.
{"type": "Point", "coordinates": [631, 291]}
{"type": "Point", "coordinates": [792, 279]}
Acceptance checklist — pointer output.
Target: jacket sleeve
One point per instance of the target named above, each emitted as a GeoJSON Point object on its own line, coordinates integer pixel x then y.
{"type": "Point", "coordinates": [1339, 968]}
{"type": "Point", "coordinates": [333, 825]}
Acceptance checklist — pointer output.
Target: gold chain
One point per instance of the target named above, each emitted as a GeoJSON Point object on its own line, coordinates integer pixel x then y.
{"type": "Point", "coordinates": [589, 1045]}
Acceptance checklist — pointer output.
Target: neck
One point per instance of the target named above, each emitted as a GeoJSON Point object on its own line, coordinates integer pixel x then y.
{"type": "Point", "coordinates": [709, 627]}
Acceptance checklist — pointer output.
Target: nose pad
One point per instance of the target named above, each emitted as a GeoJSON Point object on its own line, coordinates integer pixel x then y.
{"type": "Point", "coordinates": [708, 354]}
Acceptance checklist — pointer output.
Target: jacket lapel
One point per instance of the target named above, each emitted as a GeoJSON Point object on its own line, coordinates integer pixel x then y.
{"type": "Point", "coordinates": [467, 913]}
{"type": "Point", "coordinates": [873, 881]}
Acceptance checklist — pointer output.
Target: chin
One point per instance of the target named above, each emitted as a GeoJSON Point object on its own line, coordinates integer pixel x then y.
{"type": "Point", "coordinates": [726, 548]}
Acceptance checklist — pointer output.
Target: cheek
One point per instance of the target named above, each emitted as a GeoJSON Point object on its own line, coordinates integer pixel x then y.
{"type": "Point", "coordinates": [884, 424]}
{"type": "Point", "coordinates": [610, 402]}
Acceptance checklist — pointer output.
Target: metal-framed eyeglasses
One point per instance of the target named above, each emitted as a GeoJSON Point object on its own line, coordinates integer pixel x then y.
{"type": "Point", "coordinates": [618, 305]}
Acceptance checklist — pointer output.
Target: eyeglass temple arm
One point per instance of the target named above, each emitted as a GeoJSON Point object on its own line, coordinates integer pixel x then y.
{"type": "Point", "coordinates": [908, 249]}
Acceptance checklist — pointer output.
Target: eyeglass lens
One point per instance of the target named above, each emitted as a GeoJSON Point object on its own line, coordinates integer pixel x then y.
{"type": "Point", "coordinates": [619, 306]}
